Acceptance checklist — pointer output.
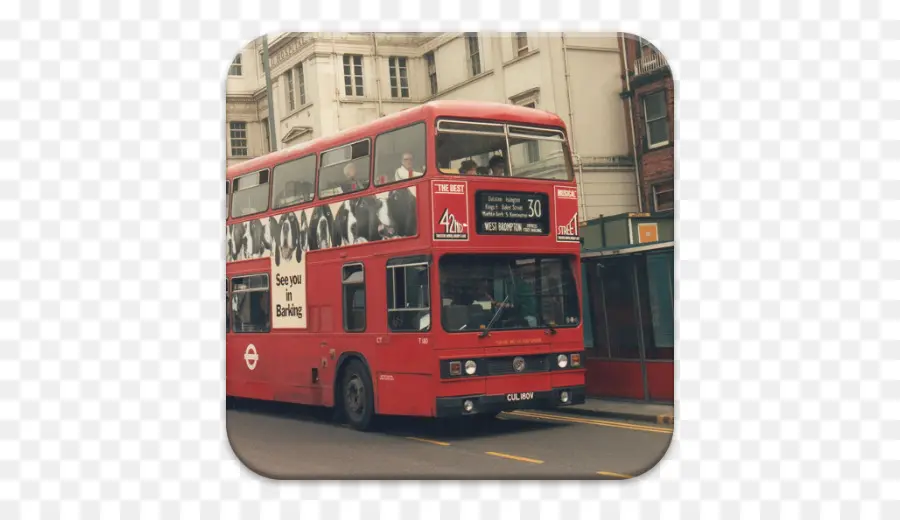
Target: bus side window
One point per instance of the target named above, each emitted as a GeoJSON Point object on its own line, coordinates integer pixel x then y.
{"type": "Point", "coordinates": [293, 182]}
{"type": "Point", "coordinates": [227, 310]}
{"type": "Point", "coordinates": [353, 282]}
{"type": "Point", "coordinates": [345, 169]}
{"type": "Point", "coordinates": [250, 194]}
{"type": "Point", "coordinates": [250, 303]}
{"type": "Point", "coordinates": [400, 154]}
{"type": "Point", "coordinates": [409, 296]}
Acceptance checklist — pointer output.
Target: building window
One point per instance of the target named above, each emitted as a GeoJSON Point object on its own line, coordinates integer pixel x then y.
{"type": "Point", "coordinates": [238, 138]}
{"type": "Point", "coordinates": [268, 136]}
{"type": "Point", "coordinates": [236, 68]}
{"type": "Point", "coordinates": [353, 75]}
{"type": "Point", "coordinates": [296, 87]}
{"type": "Point", "coordinates": [353, 281]}
{"type": "Point", "coordinates": [664, 196]}
{"type": "Point", "coordinates": [301, 84]}
{"type": "Point", "coordinates": [408, 295]}
{"type": "Point", "coordinates": [657, 121]}
{"type": "Point", "coordinates": [250, 303]}
{"type": "Point", "coordinates": [399, 79]}
{"type": "Point", "coordinates": [432, 72]}
{"type": "Point", "coordinates": [474, 53]}
{"type": "Point", "coordinates": [521, 44]}
{"type": "Point", "coordinates": [289, 90]}
{"type": "Point", "coordinates": [643, 47]}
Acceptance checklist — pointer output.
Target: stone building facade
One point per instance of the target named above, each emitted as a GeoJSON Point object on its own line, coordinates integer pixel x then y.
{"type": "Point", "coordinates": [323, 83]}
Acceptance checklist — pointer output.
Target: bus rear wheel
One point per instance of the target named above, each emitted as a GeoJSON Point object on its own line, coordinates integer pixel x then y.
{"type": "Point", "coordinates": [357, 396]}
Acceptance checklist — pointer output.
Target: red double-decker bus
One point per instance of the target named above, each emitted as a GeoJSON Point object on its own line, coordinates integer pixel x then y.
{"type": "Point", "coordinates": [423, 264]}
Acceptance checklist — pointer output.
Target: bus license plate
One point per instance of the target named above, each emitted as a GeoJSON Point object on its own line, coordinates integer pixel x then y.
{"type": "Point", "coordinates": [522, 396]}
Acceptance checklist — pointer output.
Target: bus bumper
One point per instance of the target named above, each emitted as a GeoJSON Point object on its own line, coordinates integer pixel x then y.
{"type": "Point", "coordinates": [480, 404]}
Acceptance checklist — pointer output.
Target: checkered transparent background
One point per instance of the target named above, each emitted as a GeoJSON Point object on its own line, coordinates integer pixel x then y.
{"type": "Point", "coordinates": [111, 160]}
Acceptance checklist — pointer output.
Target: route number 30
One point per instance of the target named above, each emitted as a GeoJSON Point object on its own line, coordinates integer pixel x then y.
{"type": "Point", "coordinates": [534, 208]}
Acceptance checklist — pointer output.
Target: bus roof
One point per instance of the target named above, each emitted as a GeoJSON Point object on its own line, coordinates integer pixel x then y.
{"type": "Point", "coordinates": [429, 111]}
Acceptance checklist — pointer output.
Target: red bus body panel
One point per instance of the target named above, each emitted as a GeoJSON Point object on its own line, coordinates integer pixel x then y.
{"type": "Point", "coordinates": [300, 365]}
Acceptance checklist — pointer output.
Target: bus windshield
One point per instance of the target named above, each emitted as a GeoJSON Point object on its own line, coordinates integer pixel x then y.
{"type": "Point", "coordinates": [501, 150]}
{"type": "Point", "coordinates": [530, 291]}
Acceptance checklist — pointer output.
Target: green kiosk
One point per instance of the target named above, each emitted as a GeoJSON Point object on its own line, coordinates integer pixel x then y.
{"type": "Point", "coordinates": [628, 270]}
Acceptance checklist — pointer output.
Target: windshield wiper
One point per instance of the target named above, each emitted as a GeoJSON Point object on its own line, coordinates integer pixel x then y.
{"type": "Point", "coordinates": [487, 329]}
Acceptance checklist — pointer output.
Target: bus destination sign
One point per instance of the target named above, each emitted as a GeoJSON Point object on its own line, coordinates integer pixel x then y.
{"type": "Point", "coordinates": [512, 213]}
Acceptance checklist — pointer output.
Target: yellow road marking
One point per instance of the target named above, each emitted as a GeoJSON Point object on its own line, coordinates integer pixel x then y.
{"type": "Point", "coordinates": [595, 422]}
{"type": "Point", "coordinates": [514, 457]}
{"type": "Point", "coordinates": [439, 443]}
{"type": "Point", "coordinates": [611, 474]}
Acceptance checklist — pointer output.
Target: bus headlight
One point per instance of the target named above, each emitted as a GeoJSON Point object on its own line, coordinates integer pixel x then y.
{"type": "Point", "coordinates": [562, 360]}
{"type": "Point", "coordinates": [471, 367]}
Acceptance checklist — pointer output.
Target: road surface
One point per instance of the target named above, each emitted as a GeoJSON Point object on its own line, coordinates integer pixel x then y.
{"type": "Point", "coordinates": [294, 442]}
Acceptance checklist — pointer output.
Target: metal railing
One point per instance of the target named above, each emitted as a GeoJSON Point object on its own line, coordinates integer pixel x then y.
{"type": "Point", "coordinates": [648, 63]}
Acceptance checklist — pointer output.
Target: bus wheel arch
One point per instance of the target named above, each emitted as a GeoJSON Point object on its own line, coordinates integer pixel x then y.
{"type": "Point", "coordinates": [354, 376]}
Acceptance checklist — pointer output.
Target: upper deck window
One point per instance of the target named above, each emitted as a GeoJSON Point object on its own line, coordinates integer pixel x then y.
{"type": "Point", "coordinates": [250, 194]}
{"type": "Point", "coordinates": [400, 154]}
{"type": "Point", "coordinates": [294, 182]}
{"type": "Point", "coordinates": [345, 169]}
{"type": "Point", "coordinates": [502, 150]}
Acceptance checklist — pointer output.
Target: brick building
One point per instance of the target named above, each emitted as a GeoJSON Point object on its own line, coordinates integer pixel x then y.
{"type": "Point", "coordinates": [629, 258]}
{"type": "Point", "coordinates": [649, 104]}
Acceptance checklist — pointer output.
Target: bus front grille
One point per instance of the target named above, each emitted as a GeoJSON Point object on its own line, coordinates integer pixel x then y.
{"type": "Point", "coordinates": [504, 365]}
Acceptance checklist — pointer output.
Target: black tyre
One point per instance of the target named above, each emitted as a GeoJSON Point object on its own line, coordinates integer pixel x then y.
{"type": "Point", "coordinates": [357, 396]}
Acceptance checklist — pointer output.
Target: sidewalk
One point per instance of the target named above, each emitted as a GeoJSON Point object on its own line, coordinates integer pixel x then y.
{"type": "Point", "coordinates": [631, 411]}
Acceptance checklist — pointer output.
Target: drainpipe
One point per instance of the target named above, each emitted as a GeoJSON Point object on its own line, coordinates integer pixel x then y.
{"type": "Point", "coordinates": [337, 88]}
{"type": "Point", "coordinates": [576, 158]}
{"type": "Point", "coordinates": [273, 143]}
{"type": "Point", "coordinates": [637, 161]}
{"type": "Point", "coordinates": [378, 76]}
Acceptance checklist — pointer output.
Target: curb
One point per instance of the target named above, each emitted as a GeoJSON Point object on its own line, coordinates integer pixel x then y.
{"type": "Point", "coordinates": [628, 416]}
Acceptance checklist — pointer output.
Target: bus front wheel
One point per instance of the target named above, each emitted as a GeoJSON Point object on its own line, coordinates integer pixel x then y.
{"type": "Point", "coordinates": [357, 396]}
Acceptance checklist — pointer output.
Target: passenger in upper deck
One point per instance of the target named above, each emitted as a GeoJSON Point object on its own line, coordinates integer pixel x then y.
{"type": "Point", "coordinates": [351, 183]}
{"type": "Point", "coordinates": [468, 167]}
{"type": "Point", "coordinates": [497, 164]}
{"type": "Point", "coordinates": [406, 170]}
